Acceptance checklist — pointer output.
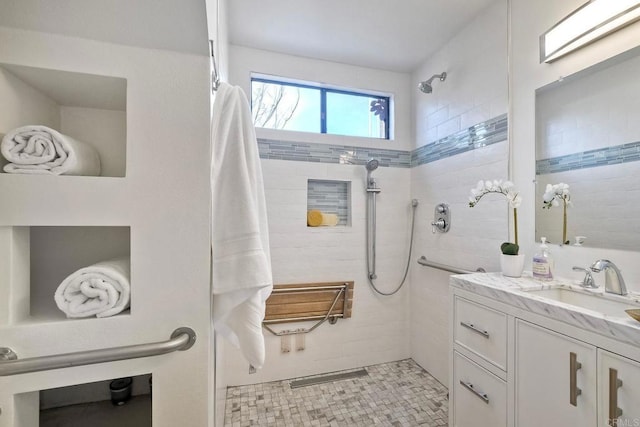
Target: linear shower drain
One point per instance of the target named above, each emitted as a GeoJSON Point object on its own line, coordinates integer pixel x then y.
{"type": "Point", "coordinates": [328, 378]}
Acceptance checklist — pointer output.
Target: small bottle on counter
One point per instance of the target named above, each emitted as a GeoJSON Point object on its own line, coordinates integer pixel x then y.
{"type": "Point", "coordinates": [543, 262]}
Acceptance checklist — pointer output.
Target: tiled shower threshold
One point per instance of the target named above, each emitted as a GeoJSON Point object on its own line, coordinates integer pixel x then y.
{"type": "Point", "coordinates": [392, 394]}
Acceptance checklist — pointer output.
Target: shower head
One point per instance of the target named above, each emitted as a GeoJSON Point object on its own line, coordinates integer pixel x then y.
{"type": "Point", "coordinates": [371, 166]}
{"type": "Point", "coordinates": [426, 85]}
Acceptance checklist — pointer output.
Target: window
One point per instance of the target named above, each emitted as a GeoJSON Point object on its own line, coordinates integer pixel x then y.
{"type": "Point", "coordinates": [303, 107]}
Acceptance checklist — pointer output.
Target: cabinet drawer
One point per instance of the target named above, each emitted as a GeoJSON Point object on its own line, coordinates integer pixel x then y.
{"type": "Point", "coordinates": [481, 330]}
{"type": "Point", "coordinates": [480, 397]}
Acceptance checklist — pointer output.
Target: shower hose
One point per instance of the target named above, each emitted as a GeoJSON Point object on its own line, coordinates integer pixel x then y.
{"type": "Point", "coordinates": [371, 244]}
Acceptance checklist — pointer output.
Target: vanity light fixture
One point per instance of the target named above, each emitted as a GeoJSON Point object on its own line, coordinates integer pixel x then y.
{"type": "Point", "coordinates": [590, 22]}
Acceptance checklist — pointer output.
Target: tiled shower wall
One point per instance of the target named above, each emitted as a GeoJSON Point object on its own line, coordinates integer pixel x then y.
{"type": "Point", "coordinates": [475, 91]}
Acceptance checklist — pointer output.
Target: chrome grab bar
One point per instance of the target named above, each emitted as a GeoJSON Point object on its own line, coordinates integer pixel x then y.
{"type": "Point", "coordinates": [424, 261]}
{"type": "Point", "coordinates": [181, 339]}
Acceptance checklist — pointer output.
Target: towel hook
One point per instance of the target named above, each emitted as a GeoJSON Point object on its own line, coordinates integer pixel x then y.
{"type": "Point", "coordinates": [215, 77]}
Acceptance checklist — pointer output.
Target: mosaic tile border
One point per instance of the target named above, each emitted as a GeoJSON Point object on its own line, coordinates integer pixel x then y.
{"type": "Point", "coordinates": [480, 135]}
{"type": "Point", "coordinates": [624, 153]}
{"type": "Point", "coordinates": [329, 153]}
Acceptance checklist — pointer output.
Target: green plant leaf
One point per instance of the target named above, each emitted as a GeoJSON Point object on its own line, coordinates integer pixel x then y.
{"type": "Point", "coordinates": [509, 248]}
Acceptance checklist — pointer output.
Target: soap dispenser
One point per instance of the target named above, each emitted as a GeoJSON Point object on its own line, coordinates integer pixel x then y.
{"type": "Point", "coordinates": [543, 262]}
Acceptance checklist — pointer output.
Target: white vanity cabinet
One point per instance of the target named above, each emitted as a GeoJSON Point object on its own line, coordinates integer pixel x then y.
{"type": "Point", "coordinates": [479, 361]}
{"type": "Point", "coordinates": [563, 381]}
{"type": "Point", "coordinates": [555, 379]}
{"type": "Point", "coordinates": [514, 366]}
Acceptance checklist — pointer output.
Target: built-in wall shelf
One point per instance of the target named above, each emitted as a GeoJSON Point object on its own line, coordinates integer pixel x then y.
{"type": "Point", "coordinates": [332, 198]}
{"type": "Point", "coordinates": [88, 108]}
{"type": "Point", "coordinates": [100, 403]}
{"type": "Point", "coordinates": [34, 260]}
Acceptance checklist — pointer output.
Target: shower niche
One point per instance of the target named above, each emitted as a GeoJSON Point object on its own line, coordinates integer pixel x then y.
{"type": "Point", "coordinates": [86, 107]}
{"type": "Point", "coordinates": [34, 260]}
{"type": "Point", "coordinates": [328, 203]}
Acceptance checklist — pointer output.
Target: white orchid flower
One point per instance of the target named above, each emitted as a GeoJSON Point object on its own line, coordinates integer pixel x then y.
{"type": "Point", "coordinates": [506, 188]}
{"type": "Point", "coordinates": [554, 193]}
{"type": "Point", "coordinates": [515, 200]}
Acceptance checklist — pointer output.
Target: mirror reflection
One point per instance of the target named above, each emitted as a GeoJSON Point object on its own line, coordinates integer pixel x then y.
{"type": "Point", "coordinates": [588, 148]}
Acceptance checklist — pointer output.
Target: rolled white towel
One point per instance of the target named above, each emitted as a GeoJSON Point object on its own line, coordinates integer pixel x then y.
{"type": "Point", "coordinates": [101, 289]}
{"type": "Point", "coordinates": [42, 150]}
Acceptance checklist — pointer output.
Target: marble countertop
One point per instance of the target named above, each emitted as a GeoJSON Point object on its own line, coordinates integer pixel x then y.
{"type": "Point", "coordinates": [516, 292]}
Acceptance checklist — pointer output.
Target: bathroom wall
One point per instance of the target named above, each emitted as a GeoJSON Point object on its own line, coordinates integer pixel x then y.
{"type": "Point", "coordinates": [475, 91]}
{"type": "Point", "coordinates": [81, 123]}
{"type": "Point", "coordinates": [22, 103]}
{"type": "Point", "coordinates": [167, 101]}
{"type": "Point", "coordinates": [528, 74]}
{"type": "Point", "coordinates": [378, 329]}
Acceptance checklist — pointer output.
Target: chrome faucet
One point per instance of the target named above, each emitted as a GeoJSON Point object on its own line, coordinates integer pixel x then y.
{"type": "Point", "coordinates": [588, 281]}
{"type": "Point", "coordinates": [613, 281]}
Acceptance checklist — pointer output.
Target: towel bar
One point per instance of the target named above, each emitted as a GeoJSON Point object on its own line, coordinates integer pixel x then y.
{"type": "Point", "coordinates": [424, 261]}
{"type": "Point", "coordinates": [181, 339]}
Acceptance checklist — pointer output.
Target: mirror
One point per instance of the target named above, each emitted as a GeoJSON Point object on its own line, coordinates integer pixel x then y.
{"type": "Point", "coordinates": [588, 136]}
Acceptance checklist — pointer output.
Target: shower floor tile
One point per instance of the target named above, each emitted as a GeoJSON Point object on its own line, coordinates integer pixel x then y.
{"type": "Point", "coordinates": [394, 394]}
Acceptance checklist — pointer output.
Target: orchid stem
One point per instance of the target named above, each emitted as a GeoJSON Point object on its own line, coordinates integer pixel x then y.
{"type": "Point", "coordinates": [515, 224]}
{"type": "Point", "coordinates": [564, 223]}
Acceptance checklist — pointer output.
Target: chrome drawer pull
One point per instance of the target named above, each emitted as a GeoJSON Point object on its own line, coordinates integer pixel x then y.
{"type": "Point", "coordinates": [475, 329]}
{"type": "Point", "coordinates": [469, 386]}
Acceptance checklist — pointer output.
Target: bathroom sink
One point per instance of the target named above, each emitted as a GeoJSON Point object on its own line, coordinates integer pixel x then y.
{"type": "Point", "coordinates": [594, 302]}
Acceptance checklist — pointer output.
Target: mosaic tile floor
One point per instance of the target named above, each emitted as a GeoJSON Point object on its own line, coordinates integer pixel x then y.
{"type": "Point", "coordinates": [394, 394]}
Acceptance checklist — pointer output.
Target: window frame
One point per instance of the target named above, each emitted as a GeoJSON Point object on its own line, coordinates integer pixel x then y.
{"type": "Point", "coordinates": [323, 102]}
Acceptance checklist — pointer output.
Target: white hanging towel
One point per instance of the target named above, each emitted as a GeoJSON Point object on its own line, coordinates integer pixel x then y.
{"type": "Point", "coordinates": [241, 262]}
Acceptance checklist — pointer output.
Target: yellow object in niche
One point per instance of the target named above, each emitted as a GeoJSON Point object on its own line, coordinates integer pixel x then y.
{"type": "Point", "coordinates": [314, 218]}
{"type": "Point", "coordinates": [329, 219]}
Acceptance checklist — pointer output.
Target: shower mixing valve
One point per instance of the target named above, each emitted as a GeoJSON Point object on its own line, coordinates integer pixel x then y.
{"type": "Point", "coordinates": [441, 219]}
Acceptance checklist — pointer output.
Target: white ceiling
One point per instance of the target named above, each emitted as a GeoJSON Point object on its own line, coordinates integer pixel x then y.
{"type": "Point", "coordinates": [395, 35]}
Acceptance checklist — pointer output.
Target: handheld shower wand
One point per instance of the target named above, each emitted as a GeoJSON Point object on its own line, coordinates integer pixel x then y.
{"type": "Point", "coordinates": [371, 166]}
